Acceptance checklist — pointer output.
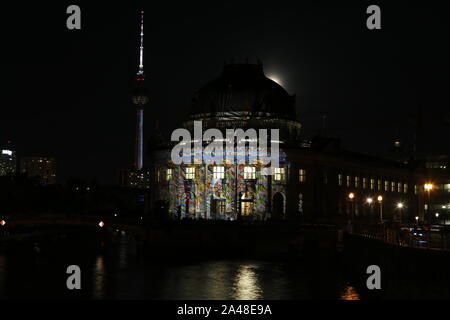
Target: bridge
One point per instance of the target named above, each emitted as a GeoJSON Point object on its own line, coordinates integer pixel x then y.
{"type": "Point", "coordinates": [25, 226]}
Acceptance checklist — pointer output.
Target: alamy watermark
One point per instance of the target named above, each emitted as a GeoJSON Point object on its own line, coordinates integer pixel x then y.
{"type": "Point", "coordinates": [238, 147]}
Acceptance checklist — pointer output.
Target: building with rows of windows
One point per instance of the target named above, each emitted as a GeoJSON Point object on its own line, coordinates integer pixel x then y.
{"type": "Point", "coordinates": [7, 163]}
{"type": "Point", "coordinates": [315, 180]}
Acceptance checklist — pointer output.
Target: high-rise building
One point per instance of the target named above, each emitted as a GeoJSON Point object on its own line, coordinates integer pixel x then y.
{"type": "Point", "coordinates": [135, 179]}
{"type": "Point", "coordinates": [8, 163]}
{"type": "Point", "coordinates": [140, 98]}
{"type": "Point", "coordinates": [138, 177]}
{"type": "Point", "coordinates": [41, 168]}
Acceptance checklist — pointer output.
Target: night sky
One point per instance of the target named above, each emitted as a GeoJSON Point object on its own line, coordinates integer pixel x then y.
{"type": "Point", "coordinates": [66, 93]}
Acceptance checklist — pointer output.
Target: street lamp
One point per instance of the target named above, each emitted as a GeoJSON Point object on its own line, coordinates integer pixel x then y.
{"type": "Point", "coordinates": [428, 187]}
{"type": "Point", "coordinates": [351, 197]}
{"type": "Point", "coordinates": [400, 206]}
{"type": "Point", "coordinates": [2, 223]}
{"type": "Point", "coordinates": [369, 200]}
{"type": "Point", "coordinates": [380, 201]}
{"type": "Point", "coordinates": [417, 220]}
{"type": "Point", "coordinates": [437, 217]}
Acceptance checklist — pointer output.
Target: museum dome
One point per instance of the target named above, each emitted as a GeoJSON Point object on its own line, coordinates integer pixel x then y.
{"type": "Point", "coordinates": [243, 88]}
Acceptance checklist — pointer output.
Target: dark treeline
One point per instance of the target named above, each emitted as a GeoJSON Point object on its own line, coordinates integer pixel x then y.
{"type": "Point", "coordinates": [22, 195]}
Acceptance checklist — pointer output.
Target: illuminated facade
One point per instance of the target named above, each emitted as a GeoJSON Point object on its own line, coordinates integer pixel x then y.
{"type": "Point", "coordinates": [314, 178]}
{"type": "Point", "coordinates": [43, 169]}
{"type": "Point", "coordinates": [241, 98]}
{"type": "Point", "coordinates": [8, 163]}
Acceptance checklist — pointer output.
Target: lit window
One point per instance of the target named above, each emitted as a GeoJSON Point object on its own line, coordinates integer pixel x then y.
{"type": "Point", "coordinates": [246, 208]}
{"type": "Point", "coordinates": [379, 185]}
{"type": "Point", "coordinates": [340, 179]}
{"type": "Point", "coordinates": [405, 188]}
{"type": "Point", "coordinates": [302, 175]}
{"type": "Point", "coordinates": [280, 174]}
{"type": "Point", "coordinates": [218, 172]}
{"type": "Point", "coordinates": [386, 185]}
{"type": "Point", "coordinates": [300, 203]}
{"type": "Point", "coordinates": [169, 174]}
{"type": "Point", "coordinates": [415, 189]}
{"type": "Point", "coordinates": [399, 187]}
{"type": "Point", "coordinates": [190, 173]}
{"type": "Point", "coordinates": [364, 183]}
{"type": "Point", "coordinates": [447, 187]}
{"type": "Point", "coordinates": [372, 184]}
{"type": "Point", "coordinates": [356, 182]}
{"type": "Point", "coordinates": [249, 173]}
{"type": "Point", "coordinates": [348, 181]}
{"type": "Point", "coordinates": [392, 186]}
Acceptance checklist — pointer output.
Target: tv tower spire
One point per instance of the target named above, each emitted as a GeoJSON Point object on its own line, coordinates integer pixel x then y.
{"type": "Point", "coordinates": [140, 98]}
{"type": "Point", "coordinates": [141, 49]}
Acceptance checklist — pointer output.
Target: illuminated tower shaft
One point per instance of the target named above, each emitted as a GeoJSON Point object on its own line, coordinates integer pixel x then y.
{"type": "Point", "coordinates": [139, 153]}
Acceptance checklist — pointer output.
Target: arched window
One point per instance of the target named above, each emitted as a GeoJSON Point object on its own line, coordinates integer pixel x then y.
{"type": "Point", "coordinates": [300, 203]}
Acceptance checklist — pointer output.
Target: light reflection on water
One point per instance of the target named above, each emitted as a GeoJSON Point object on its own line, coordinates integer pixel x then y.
{"type": "Point", "coordinates": [123, 252]}
{"type": "Point", "coordinates": [2, 273]}
{"type": "Point", "coordinates": [99, 277]}
{"type": "Point", "coordinates": [349, 293]}
{"type": "Point", "coordinates": [246, 285]}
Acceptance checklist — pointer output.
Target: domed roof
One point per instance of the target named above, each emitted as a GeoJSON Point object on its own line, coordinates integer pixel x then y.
{"type": "Point", "coordinates": [243, 88]}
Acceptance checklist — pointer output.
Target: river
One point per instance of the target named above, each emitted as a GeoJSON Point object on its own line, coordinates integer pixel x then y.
{"type": "Point", "coordinates": [111, 268]}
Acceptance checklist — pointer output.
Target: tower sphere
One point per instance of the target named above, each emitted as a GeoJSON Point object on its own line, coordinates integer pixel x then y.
{"type": "Point", "coordinates": [140, 96]}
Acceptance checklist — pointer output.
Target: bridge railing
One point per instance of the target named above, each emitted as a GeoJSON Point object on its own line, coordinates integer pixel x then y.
{"type": "Point", "coordinates": [429, 237]}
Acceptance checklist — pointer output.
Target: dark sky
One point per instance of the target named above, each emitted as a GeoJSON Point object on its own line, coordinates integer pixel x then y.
{"type": "Point", "coordinates": [66, 93]}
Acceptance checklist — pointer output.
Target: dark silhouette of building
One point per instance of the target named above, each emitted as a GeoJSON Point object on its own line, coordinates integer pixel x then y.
{"type": "Point", "coordinates": [42, 169]}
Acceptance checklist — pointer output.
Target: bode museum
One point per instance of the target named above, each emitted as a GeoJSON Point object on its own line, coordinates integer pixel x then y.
{"type": "Point", "coordinates": [314, 180]}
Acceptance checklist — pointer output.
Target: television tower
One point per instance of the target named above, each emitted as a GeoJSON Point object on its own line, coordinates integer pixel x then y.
{"type": "Point", "coordinates": [140, 98]}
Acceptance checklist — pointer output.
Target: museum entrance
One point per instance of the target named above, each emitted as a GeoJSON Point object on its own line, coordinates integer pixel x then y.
{"type": "Point", "coordinates": [278, 206]}
{"type": "Point", "coordinates": [217, 208]}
